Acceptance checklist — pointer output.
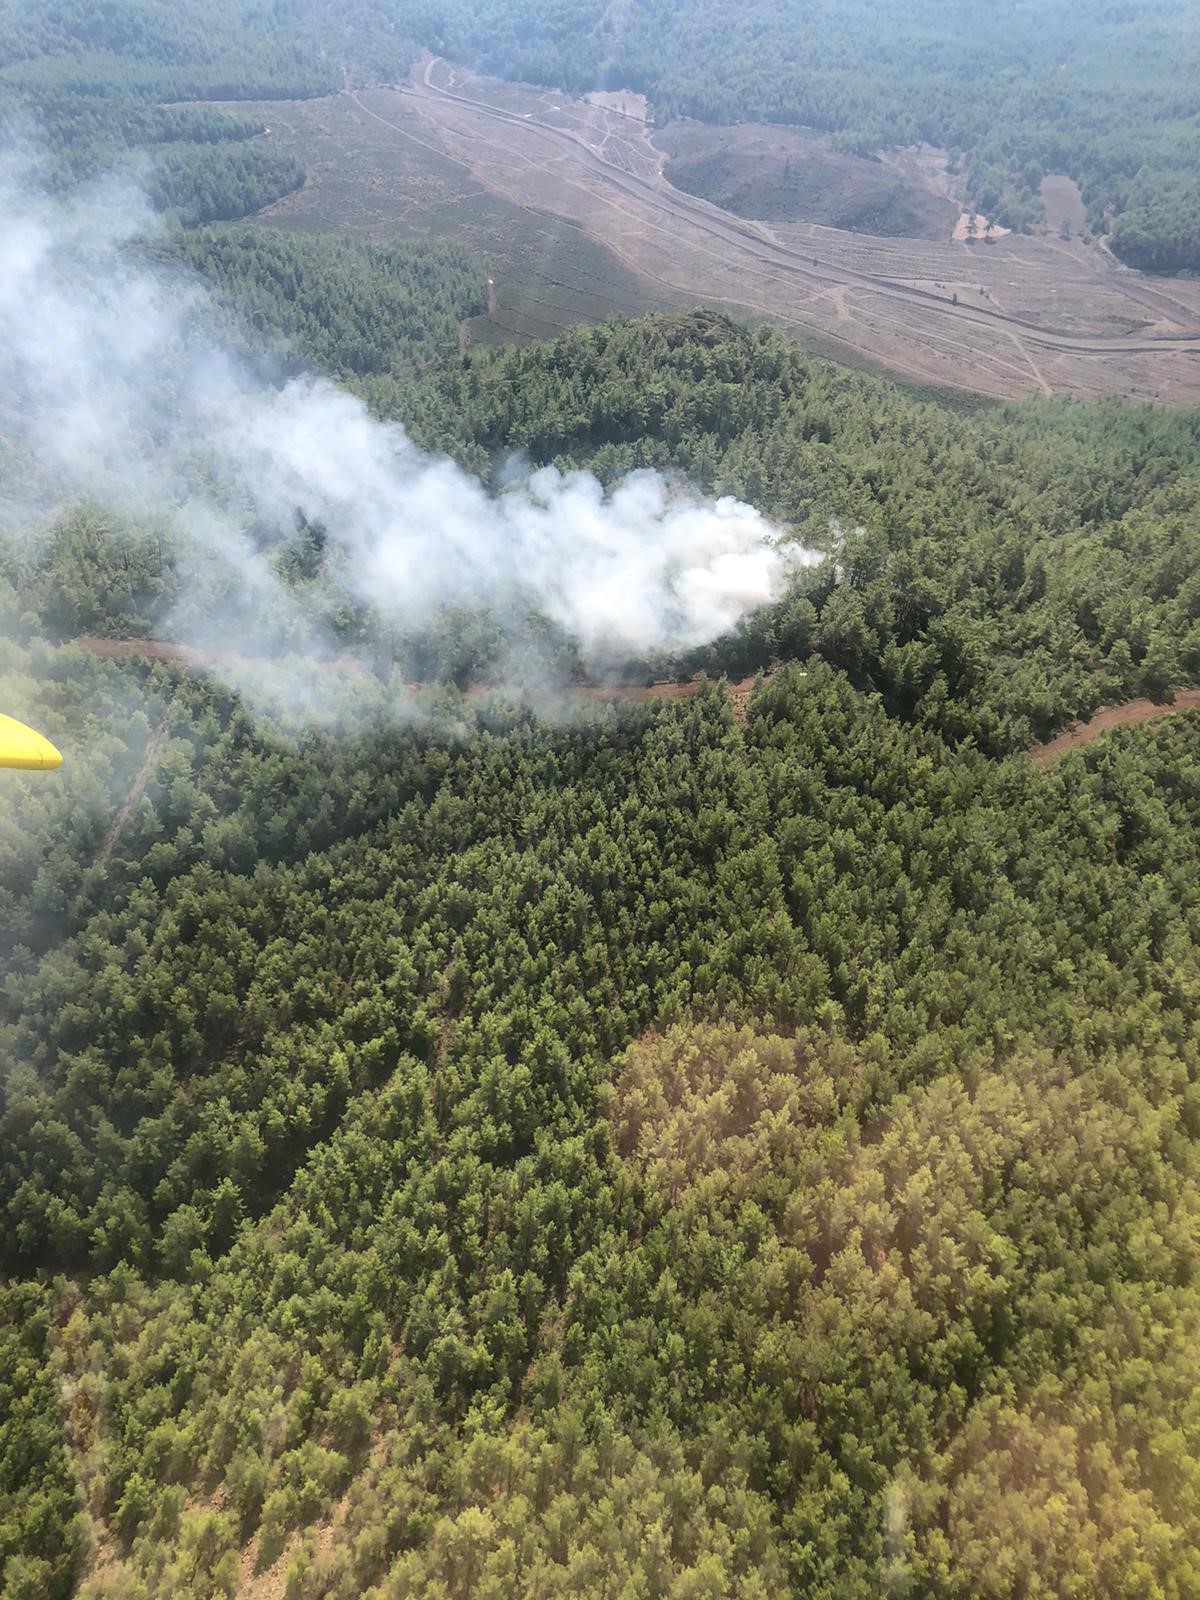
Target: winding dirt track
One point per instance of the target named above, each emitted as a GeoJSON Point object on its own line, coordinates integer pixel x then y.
{"type": "Point", "coordinates": [1128, 715]}
{"type": "Point", "coordinates": [675, 209]}
{"type": "Point", "coordinates": [571, 206]}
{"type": "Point", "coordinates": [352, 667]}
{"type": "Point", "coordinates": [153, 751]}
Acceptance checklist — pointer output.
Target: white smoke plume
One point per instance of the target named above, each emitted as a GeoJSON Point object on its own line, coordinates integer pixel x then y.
{"type": "Point", "coordinates": [115, 387]}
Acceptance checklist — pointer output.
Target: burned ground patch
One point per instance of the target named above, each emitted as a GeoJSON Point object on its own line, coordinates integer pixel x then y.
{"type": "Point", "coordinates": [777, 174]}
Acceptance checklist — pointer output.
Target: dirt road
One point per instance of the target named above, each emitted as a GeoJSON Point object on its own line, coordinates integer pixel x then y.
{"type": "Point", "coordinates": [668, 210]}
{"type": "Point", "coordinates": [1127, 715]}
{"type": "Point", "coordinates": [351, 666]}
{"type": "Point", "coordinates": [1022, 315]}
{"type": "Point", "coordinates": [153, 751]}
{"type": "Point", "coordinates": [569, 204]}
{"type": "Point", "coordinates": [188, 656]}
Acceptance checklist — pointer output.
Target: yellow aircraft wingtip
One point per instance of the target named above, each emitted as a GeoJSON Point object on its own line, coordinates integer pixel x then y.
{"type": "Point", "coordinates": [24, 747]}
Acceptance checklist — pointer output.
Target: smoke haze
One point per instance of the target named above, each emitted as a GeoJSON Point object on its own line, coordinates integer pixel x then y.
{"type": "Point", "coordinates": [116, 388]}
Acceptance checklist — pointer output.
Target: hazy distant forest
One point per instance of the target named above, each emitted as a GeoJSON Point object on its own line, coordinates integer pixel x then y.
{"type": "Point", "coordinates": [643, 1152]}
{"type": "Point", "coordinates": [1104, 93]}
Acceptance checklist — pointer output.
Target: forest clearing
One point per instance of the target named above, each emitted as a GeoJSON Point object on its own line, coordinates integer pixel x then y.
{"type": "Point", "coordinates": [1063, 202]}
{"type": "Point", "coordinates": [570, 205]}
{"type": "Point", "coordinates": [781, 174]}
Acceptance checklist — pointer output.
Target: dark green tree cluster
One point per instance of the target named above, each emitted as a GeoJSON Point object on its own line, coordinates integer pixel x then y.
{"type": "Point", "coordinates": [43, 1528]}
{"type": "Point", "coordinates": [194, 163]}
{"type": "Point", "coordinates": [197, 183]}
{"type": "Point", "coordinates": [1157, 225]}
{"type": "Point", "coordinates": [734, 1161]}
{"type": "Point", "coordinates": [96, 85]}
{"type": "Point", "coordinates": [152, 49]}
{"type": "Point", "coordinates": [993, 575]}
{"type": "Point", "coordinates": [639, 1151]}
{"type": "Point", "coordinates": [354, 308]}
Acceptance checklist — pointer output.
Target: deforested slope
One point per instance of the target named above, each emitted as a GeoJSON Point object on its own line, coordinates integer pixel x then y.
{"type": "Point", "coordinates": [782, 175]}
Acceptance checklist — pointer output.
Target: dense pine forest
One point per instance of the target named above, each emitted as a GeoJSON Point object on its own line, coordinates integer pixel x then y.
{"type": "Point", "coordinates": [91, 86]}
{"type": "Point", "coordinates": [461, 1139]}
{"type": "Point", "coordinates": [354, 309]}
{"type": "Point", "coordinates": [637, 1150]}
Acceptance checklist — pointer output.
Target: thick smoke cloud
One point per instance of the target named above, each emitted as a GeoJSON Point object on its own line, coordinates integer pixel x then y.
{"type": "Point", "coordinates": [116, 387]}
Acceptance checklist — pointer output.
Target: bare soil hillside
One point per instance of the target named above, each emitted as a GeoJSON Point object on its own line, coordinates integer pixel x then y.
{"type": "Point", "coordinates": [568, 205]}
{"type": "Point", "coordinates": [1063, 203]}
{"type": "Point", "coordinates": [776, 174]}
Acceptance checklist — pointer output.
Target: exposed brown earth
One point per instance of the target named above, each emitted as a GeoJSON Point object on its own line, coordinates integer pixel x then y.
{"type": "Point", "coordinates": [973, 227]}
{"type": "Point", "coordinates": [186, 655]}
{"type": "Point", "coordinates": [622, 101]}
{"type": "Point", "coordinates": [928, 166]}
{"type": "Point", "coordinates": [778, 174]}
{"type": "Point", "coordinates": [1130, 714]}
{"type": "Point", "coordinates": [603, 694]}
{"type": "Point", "coordinates": [376, 179]}
{"type": "Point", "coordinates": [569, 204]}
{"type": "Point", "coordinates": [1063, 203]}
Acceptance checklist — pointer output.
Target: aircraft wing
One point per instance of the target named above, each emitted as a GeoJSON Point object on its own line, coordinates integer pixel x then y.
{"type": "Point", "coordinates": [22, 747]}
